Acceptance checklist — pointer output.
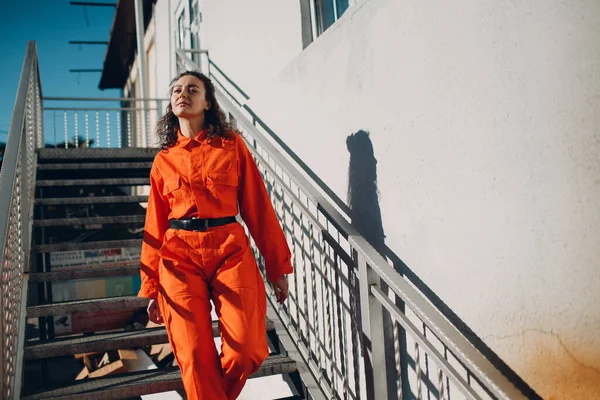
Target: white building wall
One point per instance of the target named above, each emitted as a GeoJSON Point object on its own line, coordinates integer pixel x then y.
{"type": "Point", "coordinates": [251, 40]}
{"type": "Point", "coordinates": [164, 40]}
{"type": "Point", "coordinates": [485, 124]}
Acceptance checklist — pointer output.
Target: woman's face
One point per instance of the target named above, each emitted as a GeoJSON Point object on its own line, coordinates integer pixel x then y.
{"type": "Point", "coordinates": [188, 97]}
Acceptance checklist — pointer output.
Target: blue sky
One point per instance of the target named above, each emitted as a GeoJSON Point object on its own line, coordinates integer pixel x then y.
{"type": "Point", "coordinates": [52, 23]}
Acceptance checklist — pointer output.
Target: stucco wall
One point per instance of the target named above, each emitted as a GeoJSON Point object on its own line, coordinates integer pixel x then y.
{"type": "Point", "coordinates": [165, 46]}
{"type": "Point", "coordinates": [485, 122]}
{"type": "Point", "coordinates": [251, 40]}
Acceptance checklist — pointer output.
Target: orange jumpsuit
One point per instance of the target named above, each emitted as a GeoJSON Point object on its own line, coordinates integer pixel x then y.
{"type": "Point", "coordinates": [184, 270]}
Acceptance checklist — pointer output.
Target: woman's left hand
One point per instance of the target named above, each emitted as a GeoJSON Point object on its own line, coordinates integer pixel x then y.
{"type": "Point", "coordinates": [281, 289]}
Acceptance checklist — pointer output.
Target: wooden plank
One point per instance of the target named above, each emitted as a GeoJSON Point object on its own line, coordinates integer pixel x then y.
{"type": "Point", "coordinates": [83, 374]}
{"type": "Point", "coordinates": [127, 354]}
{"type": "Point", "coordinates": [112, 368]}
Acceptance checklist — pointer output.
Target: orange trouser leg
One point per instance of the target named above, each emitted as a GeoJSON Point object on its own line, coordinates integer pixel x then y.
{"type": "Point", "coordinates": [196, 266]}
{"type": "Point", "coordinates": [185, 305]}
{"type": "Point", "coordinates": [240, 303]}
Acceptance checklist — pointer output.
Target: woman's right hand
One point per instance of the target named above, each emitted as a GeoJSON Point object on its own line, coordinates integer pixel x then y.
{"type": "Point", "coordinates": [154, 312]}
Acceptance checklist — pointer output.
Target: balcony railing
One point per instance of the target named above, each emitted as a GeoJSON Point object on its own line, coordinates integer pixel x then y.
{"type": "Point", "coordinates": [101, 122]}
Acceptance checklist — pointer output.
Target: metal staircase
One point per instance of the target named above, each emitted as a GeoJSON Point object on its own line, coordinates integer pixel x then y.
{"type": "Point", "coordinates": [68, 172]}
{"type": "Point", "coordinates": [358, 323]}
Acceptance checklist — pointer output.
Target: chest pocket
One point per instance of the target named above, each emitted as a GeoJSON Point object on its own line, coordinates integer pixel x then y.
{"type": "Point", "coordinates": [219, 183]}
{"type": "Point", "coordinates": [222, 156]}
{"type": "Point", "coordinates": [172, 184]}
{"type": "Point", "coordinates": [173, 193]}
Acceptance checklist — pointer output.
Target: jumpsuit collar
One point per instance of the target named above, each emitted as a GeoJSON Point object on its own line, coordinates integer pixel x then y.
{"type": "Point", "coordinates": [184, 141]}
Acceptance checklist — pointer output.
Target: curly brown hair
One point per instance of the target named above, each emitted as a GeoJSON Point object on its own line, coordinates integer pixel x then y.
{"type": "Point", "coordinates": [215, 122]}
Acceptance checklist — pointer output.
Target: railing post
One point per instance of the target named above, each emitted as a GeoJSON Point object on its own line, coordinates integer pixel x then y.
{"type": "Point", "coordinates": [373, 350]}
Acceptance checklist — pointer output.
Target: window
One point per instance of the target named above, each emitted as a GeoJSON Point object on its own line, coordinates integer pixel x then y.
{"type": "Point", "coordinates": [318, 15]}
{"type": "Point", "coordinates": [195, 20]}
{"type": "Point", "coordinates": [181, 30]}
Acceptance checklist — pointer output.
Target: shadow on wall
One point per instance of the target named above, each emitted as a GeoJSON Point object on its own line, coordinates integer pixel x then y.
{"type": "Point", "coordinates": [362, 190]}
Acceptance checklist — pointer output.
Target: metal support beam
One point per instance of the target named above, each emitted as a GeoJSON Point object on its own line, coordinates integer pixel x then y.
{"type": "Point", "coordinates": [373, 333]}
{"type": "Point", "coordinates": [143, 82]}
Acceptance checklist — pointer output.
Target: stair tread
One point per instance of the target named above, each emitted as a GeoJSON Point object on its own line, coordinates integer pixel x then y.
{"type": "Point", "coordinates": [88, 272]}
{"type": "Point", "coordinates": [101, 342]}
{"type": "Point", "coordinates": [102, 304]}
{"type": "Point", "coordinates": [116, 219]}
{"type": "Point", "coordinates": [90, 200]}
{"type": "Point", "coordinates": [93, 182]}
{"type": "Point", "coordinates": [147, 382]}
{"type": "Point", "coordinates": [105, 244]}
{"type": "Point", "coordinates": [94, 166]}
{"type": "Point", "coordinates": [100, 153]}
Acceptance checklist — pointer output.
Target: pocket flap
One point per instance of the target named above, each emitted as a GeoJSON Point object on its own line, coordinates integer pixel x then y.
{"type": "Point", "coordinates": [171, 184]}
{"type": "Point", "coordinates": [224, 178]}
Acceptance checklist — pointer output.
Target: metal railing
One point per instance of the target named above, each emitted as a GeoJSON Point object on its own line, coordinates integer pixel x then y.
{"type": "Point", "coordinates": [348, 306]}
{"type": "Point", "coordinates": [102, 122]}
{"type": "Point", "coordinates": [17, 178]}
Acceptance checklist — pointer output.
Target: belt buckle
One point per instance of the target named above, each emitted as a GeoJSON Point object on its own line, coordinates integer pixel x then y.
{"type": "Point", "coordinates": [204, 228]}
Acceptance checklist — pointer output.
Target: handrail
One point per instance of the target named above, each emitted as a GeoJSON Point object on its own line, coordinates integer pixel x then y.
{"type": "Point", "coordinates": [443, 329]}
{"type": "Point", "coordinates": [372, 269]}
{"type": "Point", "coordinates": [16, 208]}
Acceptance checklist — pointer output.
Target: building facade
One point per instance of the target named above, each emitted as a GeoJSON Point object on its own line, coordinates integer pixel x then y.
{"type": "Point", "coordinates": [484, 125]}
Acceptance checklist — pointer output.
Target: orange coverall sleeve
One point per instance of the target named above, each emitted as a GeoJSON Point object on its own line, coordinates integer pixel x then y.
{"type": "Point", "coordinates": [157, 223]}
{"type": "Point", "coordinates": [258, 214]}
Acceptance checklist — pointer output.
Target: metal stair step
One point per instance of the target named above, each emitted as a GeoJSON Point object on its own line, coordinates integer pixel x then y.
{"type": "Point", "coordinates": [94, 166]}
{"type": "Point", "coordinates": [103, 304]}
{"type": "Point", "coordinates": [147, 382]}
{"type": "Point", "coordinates": [95, 271]}
{"type": "Point", "coordinates": [117, 219]}
{"type": "Point", "coordinates": [92, 153]}
{"type": "Point", "coordinates": [106, 244]}
{"type": "Point", "coordinates": [92, 182]}
{"type": "Point", "coordinates": [104, 342]}
{"type": "Point", "coordinates": [37, 350]}
{"type": "Point", "coordinates": [90, 200]}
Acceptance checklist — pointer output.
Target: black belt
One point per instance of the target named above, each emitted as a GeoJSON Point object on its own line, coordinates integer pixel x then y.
{"type": "Point", "coordinates": [199, 224]}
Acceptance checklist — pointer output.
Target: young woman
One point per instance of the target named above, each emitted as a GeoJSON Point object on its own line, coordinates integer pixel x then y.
{"type": "Point", "coordinates": [194, 251]}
